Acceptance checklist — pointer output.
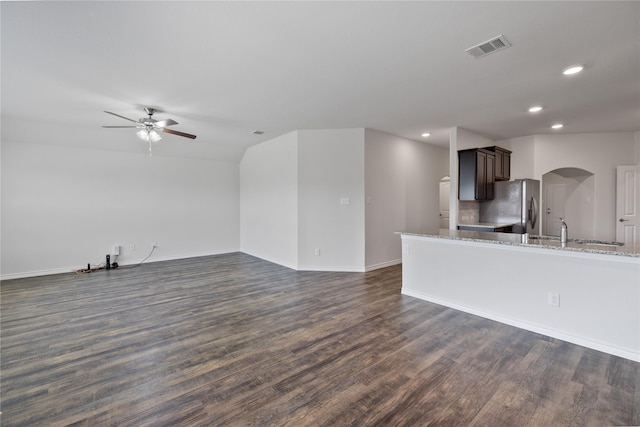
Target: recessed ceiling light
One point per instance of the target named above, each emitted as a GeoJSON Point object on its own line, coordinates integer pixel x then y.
{"type": "Point", "coordinates": [557, 126]}
{"type": "Point", "coordinates": [574, 69]}
{"type": "Point", "coordinates": [426, 135]}
{"type": "Point", "coordinates": [535, 109]}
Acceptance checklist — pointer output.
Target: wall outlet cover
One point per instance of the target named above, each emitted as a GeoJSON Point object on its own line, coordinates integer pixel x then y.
{"type": "Point", "coordinates": [553, 298]}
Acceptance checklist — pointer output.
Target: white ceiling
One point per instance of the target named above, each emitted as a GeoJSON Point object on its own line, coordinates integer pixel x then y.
{"type": "Point", "coordinates": [223, 69]}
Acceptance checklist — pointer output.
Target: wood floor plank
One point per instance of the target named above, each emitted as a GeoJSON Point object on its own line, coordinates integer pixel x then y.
{"type": "Point", "coordinates": [234, 340]}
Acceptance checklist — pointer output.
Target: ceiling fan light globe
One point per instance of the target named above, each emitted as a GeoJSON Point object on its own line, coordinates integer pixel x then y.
{"type": "Point", "coordinates": [143, 135]}
{"type": "Point", "coordinates": [154, 136]}
{"type": "Point", "coordinates": [149, 135]}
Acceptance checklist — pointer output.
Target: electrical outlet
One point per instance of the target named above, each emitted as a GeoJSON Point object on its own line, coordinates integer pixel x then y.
{"type": "Point", "coordinates": [154, 245]}
{"type": "Point", "coordinates": [132, 247]}
{"type": "Point", "coordinates": [553, 298]}
{"type": "Point", "coordinates": [116, 250]}
{"type": "Point", "coordinates": [317, 251]}
{"type": "Point", "coordinates": [406, 249]}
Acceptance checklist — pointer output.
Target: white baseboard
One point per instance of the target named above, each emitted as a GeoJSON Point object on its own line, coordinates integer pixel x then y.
{"type": "Point", "coordinates": [339, 269]}
{"type": "Point", "coordinates": [585, 342]}
{"type": "Point", "coordinates": [383, 264]}
{"type": "Point", "coordinates": [311, 267]}
{"type": "Point", "coordinates": [152, 259]}
{"type": "Point", "coordinates": [36, 273]}
{"type": "Point", "coordinates": [275, 261]}
{"type": "Point", "coordinates": [181, 256]}
{"type": "Point", "coordinates": [351, 269]}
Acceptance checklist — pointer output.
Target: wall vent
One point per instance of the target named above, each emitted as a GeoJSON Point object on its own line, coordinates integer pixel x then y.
{"type": "Point", "coordinates": [485, 48]}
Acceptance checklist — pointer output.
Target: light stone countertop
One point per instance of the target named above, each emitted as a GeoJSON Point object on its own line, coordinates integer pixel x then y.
{"type": "Point", "coordinates": [574, 245]}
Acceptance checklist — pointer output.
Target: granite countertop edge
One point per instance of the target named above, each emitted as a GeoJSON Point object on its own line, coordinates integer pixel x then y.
{"type": "Point", "coordinates": [511, 239]}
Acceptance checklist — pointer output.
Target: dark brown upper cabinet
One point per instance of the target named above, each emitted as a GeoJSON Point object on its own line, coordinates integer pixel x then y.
{"type": "Point", "coordinates": [476, 174]}
{"type": "Point", "coordinates": [503, 163]}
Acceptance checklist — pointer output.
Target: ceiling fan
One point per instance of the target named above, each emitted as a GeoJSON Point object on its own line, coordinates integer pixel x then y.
{"type": "Point", "coordinates": [150, 128]}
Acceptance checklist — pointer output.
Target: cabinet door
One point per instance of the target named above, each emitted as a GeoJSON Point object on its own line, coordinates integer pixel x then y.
{"type": "Point", "coordinates": [476, 174]}
{"type": "Point", "coordinates": [490, 176]}
{"type": "Point", "coordinates": [502, 163]}
{"type": "Point", "coordinates": [499, 164]}
{"type": "Point", "coordinates": [467, 173]}
{"type": "Point", "coordinates": [506, 174]}
{"type": "Point", "coordinates": [481, 175]}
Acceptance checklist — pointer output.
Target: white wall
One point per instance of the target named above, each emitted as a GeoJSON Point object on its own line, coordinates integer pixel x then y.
{"type": "Point", "coordinates": [402, 192]}
{"type": "Point", "coordinates": [269, 200]}
{"type": "Point", "coordinates": [291, 189]}
{"type": "Point", "coordinates": [578, 206]}
{"type": "Point", "coordinates": [598, 153]}
{"type": "Point", "coordinates": [467, 139]}
{"type": "Point", "coordinates": [354, 188]}
{"type": "Point", "coordinates": [331, 168]}
{"type": "Point", "coordinates": [523, 151]}
{"type": "Point", "coordinates": [64, 207]}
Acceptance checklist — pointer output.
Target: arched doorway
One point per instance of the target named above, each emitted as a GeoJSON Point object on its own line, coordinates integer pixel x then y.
{"type": "Point", "coordinates": [569, 193]}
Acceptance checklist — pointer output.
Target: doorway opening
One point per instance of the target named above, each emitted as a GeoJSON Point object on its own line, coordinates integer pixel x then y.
{"type": "Point", "coordinates": [445, 187]}
{"type": "Point", "coordinates": [569, 193]}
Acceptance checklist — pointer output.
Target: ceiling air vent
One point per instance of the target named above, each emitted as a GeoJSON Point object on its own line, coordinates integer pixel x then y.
{"type": "Point", "coordinates": [485, 48]}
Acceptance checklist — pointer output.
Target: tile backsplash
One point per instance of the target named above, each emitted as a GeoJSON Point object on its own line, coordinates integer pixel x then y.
{"type": "Point", "coordinates": [468, 212]}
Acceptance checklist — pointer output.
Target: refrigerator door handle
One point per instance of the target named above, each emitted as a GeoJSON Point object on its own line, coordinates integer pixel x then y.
{"type": "Point", "coordinates": [533, 212]}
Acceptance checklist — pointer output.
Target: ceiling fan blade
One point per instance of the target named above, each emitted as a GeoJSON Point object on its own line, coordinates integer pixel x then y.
{"type": "Point", "coordinates": [175, 132]}
{"type": "Point", "coordinates": [119, 126]}
{"type": "Point", "coordinates": [165, 123]}
{"type": "Point", "coordinates": [122, 117]}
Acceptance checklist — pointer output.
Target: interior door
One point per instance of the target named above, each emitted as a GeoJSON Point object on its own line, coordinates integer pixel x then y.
{"type": "Point", "coordinates": [445, 185]}
{"type": "Point", "coordinates": [555, 200]}
{"type": "Point", "coordinates": [628, 204]}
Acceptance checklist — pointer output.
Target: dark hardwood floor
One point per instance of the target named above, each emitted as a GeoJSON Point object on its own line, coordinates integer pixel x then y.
{"type": "Point", "coordinates": [232, 340]}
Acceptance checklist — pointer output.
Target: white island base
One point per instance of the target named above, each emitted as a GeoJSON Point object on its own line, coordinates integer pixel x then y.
{"type": "Point", "coordinates": [598, 294]}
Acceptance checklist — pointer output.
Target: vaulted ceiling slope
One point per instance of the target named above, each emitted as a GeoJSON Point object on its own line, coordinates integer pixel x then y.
{"type": "Point", "coordinates": [224, 69]}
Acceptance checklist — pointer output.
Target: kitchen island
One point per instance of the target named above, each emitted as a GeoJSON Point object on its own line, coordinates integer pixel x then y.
{"type": "Point", "coordinates": [583, 292]}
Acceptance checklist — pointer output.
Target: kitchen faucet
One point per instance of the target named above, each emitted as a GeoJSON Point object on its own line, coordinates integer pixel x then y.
{"type": "Point", "coordinates": [563, 231]}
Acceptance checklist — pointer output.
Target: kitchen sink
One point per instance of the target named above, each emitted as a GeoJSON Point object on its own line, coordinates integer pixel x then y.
{"type": "Point", "coordinates": [579, 241]}
{"type": "Point", "coordinates": [603, 243]}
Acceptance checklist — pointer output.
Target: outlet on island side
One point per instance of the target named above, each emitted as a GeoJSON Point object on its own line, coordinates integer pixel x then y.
{"type": "Point", "coordinates": [553, 298]}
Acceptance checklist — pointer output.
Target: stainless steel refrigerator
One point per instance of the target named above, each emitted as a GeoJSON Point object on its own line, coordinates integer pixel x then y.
{"type": "Point", "coordinates": [515, 202]}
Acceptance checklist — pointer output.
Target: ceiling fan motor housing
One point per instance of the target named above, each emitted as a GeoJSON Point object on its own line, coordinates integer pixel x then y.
{"type": "Point", "coordinates": [148, 121]}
